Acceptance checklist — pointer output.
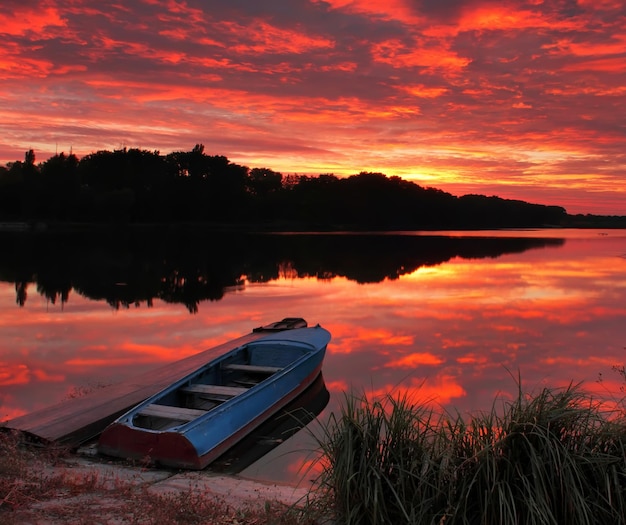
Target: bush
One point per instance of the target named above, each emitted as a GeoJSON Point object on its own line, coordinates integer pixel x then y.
{"type": "Point", "coordinates": [551, 458]}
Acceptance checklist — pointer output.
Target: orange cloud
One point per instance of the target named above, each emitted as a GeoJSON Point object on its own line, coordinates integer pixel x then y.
{"type": "Point", "coordinates": [602, 5]}
{"type": "Point", "coordinates": [605, 65]}
{"type": "Point", "coordinates": [415, 360]}
{"type": "Point", "coordinates": [399, 55]}
{"type": "Point", "coordinates": [440, 390]}
{"type": "Point", "coordinates": [501, 18]}
{"type": "Point", "coordinates": [9, 413]}
{"type": "Point", "coordinates": [21, 21]}
{"type": "Point", "coordinates": [14, 374]}
{"type": "Point", "coordinates": [615, 45]}
{"type": "Point", "coordinates": [13, 65]}
{"type": "Point", "coordinates": [382, 338]}
{"type": "Point", "coordinates": [388, 10]}
{"type": "Point", "coordinates": [456, 343]}
{"type": "Point", "coordinates": [422, 91]}
{"type": "Point", "coordinates": [337, 386]}
{"type": "Point", "coordinates": [266, 38]}
{"type": "Point", "coordinates": [473, 359]}
{"type": "Point", "coordinates": [584, 362]}
{"type": "Point", "coordinates": [47, 377]}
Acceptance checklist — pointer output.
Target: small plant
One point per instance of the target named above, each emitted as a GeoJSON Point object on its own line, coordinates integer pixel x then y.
{"type": "Point", "coordinates": [619, 399]}
{"type": "Point", "coordinates": [551, 458]}
{"type": "Point", "coordinates": [621, 370]}
{"type": "Point", "coordinates": [16, 487]}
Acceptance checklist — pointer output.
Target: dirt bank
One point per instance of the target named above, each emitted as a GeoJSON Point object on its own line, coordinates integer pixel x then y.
{"type": "Point", "coordinates": [91, 490]}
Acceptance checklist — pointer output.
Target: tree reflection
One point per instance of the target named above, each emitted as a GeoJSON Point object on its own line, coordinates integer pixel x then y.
{"type": "Point", "coordinates": [188, 267]}
{"type": "Point", "coordinates": [21, 293]}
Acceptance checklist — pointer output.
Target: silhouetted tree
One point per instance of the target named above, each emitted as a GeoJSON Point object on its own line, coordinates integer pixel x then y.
{"type": "Point", "coordinates": [103, 171]}
{"type": "Point", "coordinates": [315, 201]}
{"type": "Point", "coordinates": [226, 185]}
{"type": "Point", "coordinates": [29, 163]}
{"type": "Point", "coordinates": [32, 191]}
{"type": "Point", "coordinates": [133, 185]}
{"type": "Point", "coordinates": [61, 186]}
{"type": "Point", "coordinates": [21, 293]}
{"type": "Point", "coordinates": [11, 188]}
{"type": "Point", "coordinates": [263, 181]}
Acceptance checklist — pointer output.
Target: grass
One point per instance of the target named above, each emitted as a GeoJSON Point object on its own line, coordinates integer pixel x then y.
{"type": "Point", "coordinates": [551, 458]}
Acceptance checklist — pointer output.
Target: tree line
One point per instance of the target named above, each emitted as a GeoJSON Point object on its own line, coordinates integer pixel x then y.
{"type": "Point", "coordinates": [139, 186]}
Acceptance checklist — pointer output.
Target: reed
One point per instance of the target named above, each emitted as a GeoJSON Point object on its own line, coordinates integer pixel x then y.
{"type": "Point", "coordinates": [551, 458]}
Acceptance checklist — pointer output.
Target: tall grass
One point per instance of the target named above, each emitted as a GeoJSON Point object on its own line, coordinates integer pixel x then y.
{"type": "Point", "coordinates": [551, 458]}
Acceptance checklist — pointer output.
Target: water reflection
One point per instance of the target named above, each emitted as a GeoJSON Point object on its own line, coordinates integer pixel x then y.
{"type": "Point", "coordinates": [135, 268]}
{"type": "Point", "coordinates": [279, 428]}
{"type": "Point", "coordinates": [452, 320]}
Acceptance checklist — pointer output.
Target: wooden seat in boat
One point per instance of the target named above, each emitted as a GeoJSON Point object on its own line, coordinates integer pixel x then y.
{"type": "Point", "coordinates": [214, 390]}
{"type": "Point", "coordinates": [253, 368]}
{"type": "Point", "coordinates": [169, 412]}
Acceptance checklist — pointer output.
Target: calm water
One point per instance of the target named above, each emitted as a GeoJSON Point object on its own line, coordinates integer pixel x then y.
{"type": "Point", "coordinates": [449, 316]}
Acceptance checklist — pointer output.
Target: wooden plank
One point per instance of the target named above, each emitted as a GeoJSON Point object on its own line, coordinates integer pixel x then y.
{"type": "Point", "coordinates": [75, 421]}
{"type": "Point", "coordinates": [253, 368]}
{"type": "Point", "coordinates": [169, 412]}
{"type": "Point", "coordinates": [214, 390]}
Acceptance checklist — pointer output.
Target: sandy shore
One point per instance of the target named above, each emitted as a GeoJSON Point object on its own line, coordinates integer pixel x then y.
{"type": "Point", "coordinates": [235, 491]}
{"type": "Point", "coordinates": [83, 488]}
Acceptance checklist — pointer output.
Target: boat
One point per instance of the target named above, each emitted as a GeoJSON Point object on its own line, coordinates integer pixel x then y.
{"type": "Point", "coordinates": [196, 419]}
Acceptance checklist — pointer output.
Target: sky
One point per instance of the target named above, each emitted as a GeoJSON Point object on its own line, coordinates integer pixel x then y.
{"type": "Point", "coordinates": [524, 100]}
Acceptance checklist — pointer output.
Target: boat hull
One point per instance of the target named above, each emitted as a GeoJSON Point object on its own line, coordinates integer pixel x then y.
{"type": "Point", "coordinates": [196, 444]}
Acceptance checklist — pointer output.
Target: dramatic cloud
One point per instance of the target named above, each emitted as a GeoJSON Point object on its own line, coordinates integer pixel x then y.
{"type": "Point", "coordinates": [519, 99]}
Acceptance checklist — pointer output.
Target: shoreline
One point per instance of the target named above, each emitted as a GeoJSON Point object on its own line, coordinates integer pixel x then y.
{"type": "Point", "coordinates": [575, 222]}
{"type": "Point", "coordinates": [233, 489]}
{"type": "Point", "coordinates": [83, 487]}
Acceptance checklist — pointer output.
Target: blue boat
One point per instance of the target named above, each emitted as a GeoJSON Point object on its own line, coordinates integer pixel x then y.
{"type": "Point", "coordinates": [196, 419]}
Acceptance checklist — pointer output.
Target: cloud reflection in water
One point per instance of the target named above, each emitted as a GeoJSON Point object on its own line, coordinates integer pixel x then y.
{"type": "Point", "coordinates": [452, 320]}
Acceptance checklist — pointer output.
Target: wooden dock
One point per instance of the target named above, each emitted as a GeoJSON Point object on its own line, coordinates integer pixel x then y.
{"type": "Point", "coordinates": [78, 420]}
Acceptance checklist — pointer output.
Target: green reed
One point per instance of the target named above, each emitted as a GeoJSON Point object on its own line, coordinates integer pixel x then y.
{"type": "Point", "coordinates": [551, 458]}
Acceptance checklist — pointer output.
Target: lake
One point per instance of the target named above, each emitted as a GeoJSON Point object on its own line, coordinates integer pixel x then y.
{"type": "Point", "coordinates": [452, 317]}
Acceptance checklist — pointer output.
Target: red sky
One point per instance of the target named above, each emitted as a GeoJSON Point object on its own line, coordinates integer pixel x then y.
{"type": "Point", "coordinates": [518, 99]}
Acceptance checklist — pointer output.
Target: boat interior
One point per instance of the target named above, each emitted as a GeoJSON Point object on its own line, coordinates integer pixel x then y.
{"type": "Point", "coordinates": [210, 387]}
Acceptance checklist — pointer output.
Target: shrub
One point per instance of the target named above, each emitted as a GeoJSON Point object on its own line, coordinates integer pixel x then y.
{"type": "Point", "coordinates": [551, 458]}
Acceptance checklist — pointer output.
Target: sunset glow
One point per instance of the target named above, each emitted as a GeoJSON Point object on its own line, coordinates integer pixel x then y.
{"type": "Point", "coordinates": [519, 99]}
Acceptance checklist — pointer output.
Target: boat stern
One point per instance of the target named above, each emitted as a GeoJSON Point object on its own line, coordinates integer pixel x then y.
{"type": "Point", "coordinates": [170, 449]}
